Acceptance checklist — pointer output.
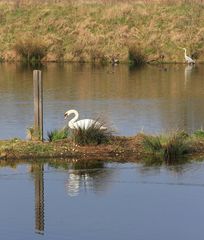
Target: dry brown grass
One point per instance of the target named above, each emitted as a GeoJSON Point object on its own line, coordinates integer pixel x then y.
{"type": "Point", "coordinates": [31, 49]}
{"type": "Point", "coordinates": [100, 1]}
{"type": "Point", "coordinates": [80, 31]}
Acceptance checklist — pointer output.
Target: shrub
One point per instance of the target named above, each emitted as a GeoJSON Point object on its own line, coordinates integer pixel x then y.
{"type": "Point", "coordinates": [93, 135]}
{"type": "Point", "coordinates": [136, 56]}
{"type": "Point", "coordinates": [168, 147]}
{"type": "Point", "coordinates": [57, 134]}
{"type": "Point", "coordinates": [31, 49]}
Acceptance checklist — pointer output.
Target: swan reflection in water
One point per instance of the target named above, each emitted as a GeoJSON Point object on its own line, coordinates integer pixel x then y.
{"type": "Point", "coordinates": [86, 176]}
{"type": "Point", "coordinates": [75, 181]}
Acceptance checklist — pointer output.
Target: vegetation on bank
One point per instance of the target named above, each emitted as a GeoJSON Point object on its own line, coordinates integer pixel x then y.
{"type": "Point", "coordinates": [169, 147]}
{"type": "Point", "coordinates": [101, 31]}
{"type": "Point", "coordinates": [166, 148]}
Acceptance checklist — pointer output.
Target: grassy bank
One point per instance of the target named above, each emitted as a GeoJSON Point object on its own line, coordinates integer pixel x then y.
{"type": "Point", "coordinates": [118, 148]}
{"type": "Point", "coordinates": [101, 31]}
{"type": "Point", "coordinates": [166, 148]}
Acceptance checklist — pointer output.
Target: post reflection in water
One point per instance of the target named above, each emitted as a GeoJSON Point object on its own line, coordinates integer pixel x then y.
{"type": "Point", "coordinates": [38, 173]}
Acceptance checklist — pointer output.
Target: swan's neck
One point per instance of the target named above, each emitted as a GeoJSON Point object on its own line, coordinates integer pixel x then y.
{"type": "Point", "coordinates": [73, 120]}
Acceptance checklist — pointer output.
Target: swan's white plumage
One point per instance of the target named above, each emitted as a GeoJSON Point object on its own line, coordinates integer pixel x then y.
{"type": "Point", "coordinates": [84, 123]}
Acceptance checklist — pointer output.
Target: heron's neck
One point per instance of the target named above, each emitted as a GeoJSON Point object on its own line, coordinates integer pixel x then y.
{"type": "Point", "coordinates": [185, 52]}
{"type": "Point", "coordinates": [76, 116]}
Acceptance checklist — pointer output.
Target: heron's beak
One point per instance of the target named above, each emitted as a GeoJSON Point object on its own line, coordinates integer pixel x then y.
{"type": "Point", "coordinates": [65, 116]}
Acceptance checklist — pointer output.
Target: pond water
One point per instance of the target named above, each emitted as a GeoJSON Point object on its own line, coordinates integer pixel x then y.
{"type": "Point", "coordinates": [101, 201]}
{"type": "Point", "coordinates": [151, 98]}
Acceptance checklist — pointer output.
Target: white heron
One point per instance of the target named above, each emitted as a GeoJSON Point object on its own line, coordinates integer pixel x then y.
{"type": "Point", "coordinates": [84, 123]}
{"type": "Point", "coordinates": [188, 59]}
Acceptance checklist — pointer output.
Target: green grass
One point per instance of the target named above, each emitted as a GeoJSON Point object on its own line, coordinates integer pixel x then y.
{"type": "Point", "coordinates": [58, 134]}
{"type": "Point", "coordinates": [168, 147]}
{"type": "Point", "coordinates": [93, 135]}
{"type": "Point", "coordinates": [199, 133]}
{"type": "Point", "coordinates": [36, 148]}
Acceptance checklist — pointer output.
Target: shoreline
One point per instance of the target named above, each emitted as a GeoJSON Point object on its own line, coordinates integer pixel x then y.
{"type": "Point", "coordinates": [119, 147]}
{"type": "Point", "coordinates": [123, 149]}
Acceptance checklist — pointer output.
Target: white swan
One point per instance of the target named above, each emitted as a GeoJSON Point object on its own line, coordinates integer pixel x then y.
{"type": "Point", "coordinates": [84, 123]}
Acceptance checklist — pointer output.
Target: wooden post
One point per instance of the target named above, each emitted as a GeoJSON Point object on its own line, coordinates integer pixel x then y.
{"type": "Point", "coordinates": [38, 104]}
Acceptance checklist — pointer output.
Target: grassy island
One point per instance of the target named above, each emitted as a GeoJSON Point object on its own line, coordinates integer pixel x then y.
{"type": "Point", "coordinates": [169, 148]}
{"type": "Point", "coordinates": [101, 31]}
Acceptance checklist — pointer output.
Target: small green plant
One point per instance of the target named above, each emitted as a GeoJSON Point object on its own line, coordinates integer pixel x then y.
{"type": "Point", "coordinates": [30, 133]}
{"type": "Point", "coordinates": [31, 49]}
{"type": "Point", "coordinates": [93, 135]}
{"type": "Point", "coordinates": [199, 133]}
{"type": "Point", "coordinates": [36, 148]}
{"type": "Point", "coordinates": [168, 147]}
{"type": "Point", "coordinates": [1, 59]}
{"type": "Point", "coordinates": [136, 56]}
{"type": "Point", "coordinates": [57, 134]}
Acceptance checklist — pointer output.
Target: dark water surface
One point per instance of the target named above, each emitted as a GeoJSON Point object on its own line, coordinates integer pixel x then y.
{"type": "Point", "coordinates": [101, 201]}
{"type": "Point", "coordinates": [152, 98]}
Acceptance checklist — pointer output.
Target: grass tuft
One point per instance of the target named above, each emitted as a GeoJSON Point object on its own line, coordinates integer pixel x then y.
{"type": "Point", "coordinates": [152, 144]}
{"type": "Point", "coordinates": [30, 133]}
{"type": "Point", "coordinates": [57, 134]}
{"type": "Point", "coordinates": [93, 135]}
{"type": "Point", "coordinates": [168, 147]}
{"type": "Point", "coordinates": [31, 49]}
{"type": "Point", "coordinates": [199, 133]}
{"type": "Point", "coordinates": [176, 145]}
{"type": "Point", "coordinates": [136, 56]}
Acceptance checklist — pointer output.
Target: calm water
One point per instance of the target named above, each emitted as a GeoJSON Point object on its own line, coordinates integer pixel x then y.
{"type": "Point", "coordinates": [151, 98]}
{"type": "Point", "coordinates": [104, 201]}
